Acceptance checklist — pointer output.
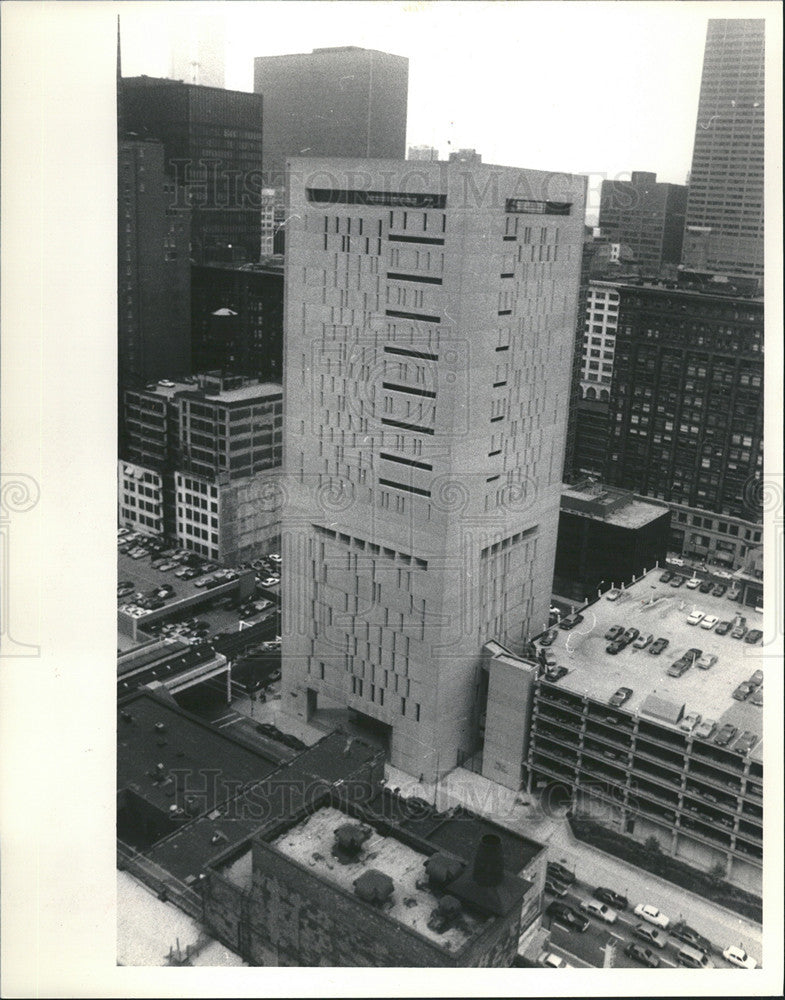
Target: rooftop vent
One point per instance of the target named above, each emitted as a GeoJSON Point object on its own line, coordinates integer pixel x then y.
{"type": "Point", "coordinates": [349, 840]}
{"type": "Point", "coordinates": [159, 727]}
{"type": "Point", "coordinates": [374, 886]}
{"type": "Point", "coordinates": [443, 868]}
{"type": "Point", "coordinates": [446, 914]}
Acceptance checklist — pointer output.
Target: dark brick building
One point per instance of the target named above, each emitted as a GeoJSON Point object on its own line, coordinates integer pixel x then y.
{"type": "Point", "coordinates": [645, 216]}
{"type": "Point", "coordinates": [153, 269]}
{"type": "Point", "coordinates": [213, 149]}
{"type": "Point", "coordinates": [687, 396]}
{"type": "Point", "coordinates": [237, 319]}
{"type": "Point", "coordinates": [606, 537]}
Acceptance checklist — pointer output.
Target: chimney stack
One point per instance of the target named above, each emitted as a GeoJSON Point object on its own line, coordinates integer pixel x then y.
{"type": "Point", "coordinates": [489, 861]}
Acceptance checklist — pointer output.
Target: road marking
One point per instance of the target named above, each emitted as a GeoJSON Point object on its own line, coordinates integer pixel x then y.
{"type": "Point", "coordinates": [221, 718]}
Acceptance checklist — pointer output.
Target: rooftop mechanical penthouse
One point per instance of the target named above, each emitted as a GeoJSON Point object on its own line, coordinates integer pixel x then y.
{"type": "Point", "coordinates": [429, 318]}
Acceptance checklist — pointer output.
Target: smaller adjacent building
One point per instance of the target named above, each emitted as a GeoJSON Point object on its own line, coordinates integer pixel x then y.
{"type": "Point", "coordinates": [197, 464]}
{"type": "Point", "coordinates": [606, 536]}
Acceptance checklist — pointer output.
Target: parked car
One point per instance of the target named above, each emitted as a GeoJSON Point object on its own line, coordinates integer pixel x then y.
{"type": "Point", "coordinates": [549, 960]}
{"type": "Point", "coordinates": [269, 581]}
{"type": "Point", "coordinates": [548, 658]}
{"type": "Point", "coordinates": [745, 742]}
{"type": "Point", "coordinates": [690, 721]}
{"type": "Point", "coordinates": [554, 888]}
{"type": "Point", "coordinates": [743, 691]}
{"type": "Point", "coordinates": [693, 582]}
{"type": "Point", "coordinates": [739, 957]}
{"type": "Point", "coordinates": [723, 628]}
{"type": "Point", "coordinates": [725, 735]}
{"type": "Point", "coordinates": [707, 661]}
{"type": "Point", "coordinates": [719, 590]}
{"type": "Point", "coordinates": [683, 932]}
{"type": "Point", "coordinates": [615, 647]}
{"type": "Point", "coordinates": [757, 678]}
{"type": "Point", "coordinates": [677, 581]}
{"type": "Point", "coordinates": [658, 646]}
{"type": "Point", "coordinates": [734, 594]}
{"type": "Point", "coordinates": [614, 632]}
{"type": "Point", "coordinates": [695, 618]}
{"type": "Point", "coordinates": [754, 635]}
{"type": "Point", "coordinates": [622, 695]}
{"type": "Point", "coordinates": [600, 910]}
{"type": "Point", "coordinates": [705, 730]}
{"type": "Point", "coordinates": [678, 668]}
{"type": "Point", "coordinates": [631, 634]}
{"type": "Point", "coordinates": [693, 654]}
{"type": "Point", "coordinates": [650, 934]}
{"type": "Point", "coordinates": [613, 595]}
{"type": "Point", "coordinates": [555, 870]}
{"type": "Point", "coordinates": [614, 899]}
{"type": "Point", "coordinates": [570, 622]}
{"type": "Point", "coordinates": [643, 641]}
{"type": "Point", "coordinates": [567, 916]}
{"type": "Point", "coordinates": [547, 639]}
{"type": "Point", "coordinates": [666, 577]}
{"type": "Point", "coordinates": [706, 587]}
{"type": "Point", "coordinates": [643, 955]}
{"type": "Point", "coordinates": [757, 697]}
{"type": "Point", "coordinates": [739, 632]}
{"type": "Point", "coordinates": [555, 673]}
{"type": "Point", "coordinates": [652, 915]}
{"type": "Point", "coordinates": [676, 561]}
{"type": "Point", "coordinates": [709, 621]}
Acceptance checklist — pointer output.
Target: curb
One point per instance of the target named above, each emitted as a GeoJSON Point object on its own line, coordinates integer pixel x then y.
{"type": "Point", "coordinates": [662, 881]}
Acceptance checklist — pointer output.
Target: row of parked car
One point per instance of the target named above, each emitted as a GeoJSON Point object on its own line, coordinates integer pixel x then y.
{"type": "Point", "coordinates": [693, 949]}
{"type": "Point", "coordinates": [706, 586]}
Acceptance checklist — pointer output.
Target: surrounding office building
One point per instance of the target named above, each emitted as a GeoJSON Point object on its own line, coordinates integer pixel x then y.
{"type": "Point", "coordinates": [600, 321]}
{"type": "Point", "coordinates": [645, 216]}
{"type": "Point", "coordinates": [212, 142]}
{"type": "Point", "coordinates": [237, 319]}
{"type": "Point", "coordinates": [640, 767]}
{"type": "Point", "coordinates": [153, 268]}
{"type": "Point", "coordinates": [199, 462]}
{"type": "Point", "coordinates": [724, 225]}
{"type": "Point", "coordinates": [422, 153]}
{"type": "Point", "coordinates": [428, 347]}
{"type": "Point", "coordinates": [347, 102]}
{"type": "Point", "coordinates": [687, 402]}
{"type": "Point", "coordinates": [465, 156]}
{"type": "Point", "coordinates": [606, 538]}
{"type": "Point", "coordinates": [197, 43]}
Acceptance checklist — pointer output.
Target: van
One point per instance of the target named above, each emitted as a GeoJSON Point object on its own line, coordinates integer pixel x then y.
{"type": "Point", "coordinates": [692, 958]}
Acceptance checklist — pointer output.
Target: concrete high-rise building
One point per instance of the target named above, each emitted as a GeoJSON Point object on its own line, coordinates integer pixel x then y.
{"type": "Point", "coordinates": [429, 334]}
{"type": "Point", "coordinates": [724, 225]}
{"type": "Point", "coordinates": [347, 102]}
{"type": "Point", "coordinates": [153, 268]}
{"type": "Point", "coordinates": [645, 216]}
{"type": "Point", "coordinates": [212, 142]}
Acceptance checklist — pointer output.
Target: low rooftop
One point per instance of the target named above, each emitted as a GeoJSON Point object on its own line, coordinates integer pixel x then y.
{"type": "Point", "coordinates": [164, 753]}
{"type": "Point", "coordinates": [660, 610]}
{"type": "Point", "coordinates": [609, 505]}
{"type": "Point", "coordinates": [310, 843]}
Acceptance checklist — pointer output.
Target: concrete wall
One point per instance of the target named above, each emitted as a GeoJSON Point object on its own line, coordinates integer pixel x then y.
{"type": "Point", "coordinates": [507, 720]}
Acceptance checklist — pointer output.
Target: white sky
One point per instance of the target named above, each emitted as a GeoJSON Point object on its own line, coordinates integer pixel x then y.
{"type": "Point", "coordinates": [586, 87]}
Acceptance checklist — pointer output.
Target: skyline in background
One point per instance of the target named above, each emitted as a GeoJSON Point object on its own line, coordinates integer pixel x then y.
{"type": "Point", "coordinates": [592, 88]}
